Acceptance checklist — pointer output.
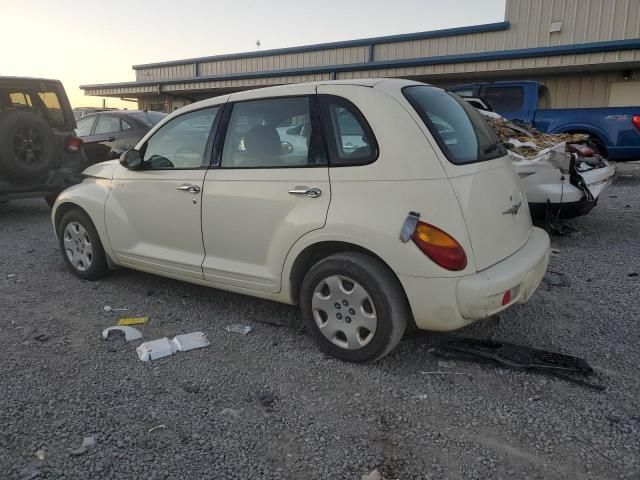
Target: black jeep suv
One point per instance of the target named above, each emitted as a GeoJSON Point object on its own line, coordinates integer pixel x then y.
{"type": "Point", "coordinates": [39, 153]}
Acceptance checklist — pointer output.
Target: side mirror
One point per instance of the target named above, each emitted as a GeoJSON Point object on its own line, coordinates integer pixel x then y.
{"type": "Point", "coordinates": [131, 159]}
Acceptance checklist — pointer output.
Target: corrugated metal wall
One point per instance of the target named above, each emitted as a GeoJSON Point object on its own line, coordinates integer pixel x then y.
{"type": "Point", "coordinates": [582, 22]}
{"type": "Point", "coordinates": [338, 56]}
{"type": "Point", "coordinates": [170, 71]}
{"type": "Point", "coordinates": [580, 91]}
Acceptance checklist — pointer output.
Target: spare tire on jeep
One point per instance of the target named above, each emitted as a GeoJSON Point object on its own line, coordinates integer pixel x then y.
{"type": "Point", "coordinates": [27, 147]}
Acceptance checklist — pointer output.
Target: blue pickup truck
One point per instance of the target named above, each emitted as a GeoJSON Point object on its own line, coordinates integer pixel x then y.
{"type": "Point", "coordinates": [615, 131]}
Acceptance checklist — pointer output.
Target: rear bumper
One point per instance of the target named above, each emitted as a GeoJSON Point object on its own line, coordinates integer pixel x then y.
{"type": "Point", "coordinates": [445, 304]}
{"type": "Point", "coordinates": [563, 210]}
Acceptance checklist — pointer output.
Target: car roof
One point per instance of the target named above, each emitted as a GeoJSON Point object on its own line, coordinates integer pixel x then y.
{"type": "Point", "coordinates": [119, 113]}
{"type": "Point", "coordinates": [307, 88]}
{"type": "Point", "coordinates": [4, 80]}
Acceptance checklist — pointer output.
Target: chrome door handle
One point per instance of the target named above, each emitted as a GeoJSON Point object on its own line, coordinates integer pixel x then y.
{"type": "Point", "coordinates": [189, 188]}
{"type": "Point", "coordinates": [309, 192]}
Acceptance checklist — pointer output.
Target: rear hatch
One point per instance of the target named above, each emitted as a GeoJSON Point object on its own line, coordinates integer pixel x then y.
{"type": "Point", "coordinates": [488, 190]}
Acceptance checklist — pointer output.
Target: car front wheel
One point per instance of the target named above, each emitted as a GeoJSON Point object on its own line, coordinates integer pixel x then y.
{"type": "Point", "coordinates": [81, 246]}
{"type": "Point", "coordinates": [354, 307]}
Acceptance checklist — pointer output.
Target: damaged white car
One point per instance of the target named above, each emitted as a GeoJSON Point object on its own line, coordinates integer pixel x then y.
{"type": "Point", "coordinates": [562, 176]}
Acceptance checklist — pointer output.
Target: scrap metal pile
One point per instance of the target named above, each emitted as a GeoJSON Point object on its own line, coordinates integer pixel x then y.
{"type": "Point", "coordinates": [525, 141]}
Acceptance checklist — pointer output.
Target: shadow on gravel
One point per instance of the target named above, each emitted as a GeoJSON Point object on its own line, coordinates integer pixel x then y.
{"type": "Point", "coordinates": [18, 211]}
{"type": "Point", "coordinates": [626, 180]}
{"type": "Point", "coordinates": [201, 297]}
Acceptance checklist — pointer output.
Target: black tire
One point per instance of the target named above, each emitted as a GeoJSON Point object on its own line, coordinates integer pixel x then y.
{"type": "Point", "coordinates": [27, 147]}
{"type": "Point", "coordinates": [385, 291]}
{"type": "Point", "coordinates": [598, 146]}
{"type": "Point", "coordinates": [98, 264]}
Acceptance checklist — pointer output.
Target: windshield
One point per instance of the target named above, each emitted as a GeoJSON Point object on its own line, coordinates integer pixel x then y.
{"type": "Point", "coordinates": [149, 118]}
{"type": "Point", "coordinates": [461, 132]}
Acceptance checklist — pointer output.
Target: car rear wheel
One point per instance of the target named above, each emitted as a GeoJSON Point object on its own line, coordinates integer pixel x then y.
{"type": "Point", "coordinates": [81, 247]}
{"type": "Point", "coordinates": [354, 307]}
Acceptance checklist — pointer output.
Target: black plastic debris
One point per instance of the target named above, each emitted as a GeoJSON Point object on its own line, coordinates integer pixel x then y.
{"type": "Point", "coordinates": [560, 229]}
{"type": "Point", "coordinates": [517, 357]}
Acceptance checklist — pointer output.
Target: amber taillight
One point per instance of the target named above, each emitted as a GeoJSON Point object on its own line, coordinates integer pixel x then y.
{"type": "Point", "coordinates": [440, 247]}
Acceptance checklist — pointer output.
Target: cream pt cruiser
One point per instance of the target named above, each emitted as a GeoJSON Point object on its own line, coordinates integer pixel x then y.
{"type": "Point", "coordinates": [372, 204]}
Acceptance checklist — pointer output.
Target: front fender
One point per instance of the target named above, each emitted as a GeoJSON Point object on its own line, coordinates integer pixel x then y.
{"type": "Point", "coordinates": [91, 196]}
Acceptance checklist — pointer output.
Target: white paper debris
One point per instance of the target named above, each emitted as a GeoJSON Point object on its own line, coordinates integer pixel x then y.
{"type": "Point", "coordinates": [130, 333]}
{"type": "Point", "coordinates": [518, 144]}
{"type": "Point", "coordinates": [164, 347]}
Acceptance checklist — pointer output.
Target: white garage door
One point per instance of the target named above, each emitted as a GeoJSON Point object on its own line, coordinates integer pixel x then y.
{"type": "Point", "coordinates": [624, 94]}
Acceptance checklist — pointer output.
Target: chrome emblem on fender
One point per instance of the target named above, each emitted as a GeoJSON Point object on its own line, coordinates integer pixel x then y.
{"type": "Point", "coordinates": [515, 208]}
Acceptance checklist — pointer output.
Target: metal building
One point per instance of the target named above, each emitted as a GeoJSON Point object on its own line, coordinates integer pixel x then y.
{"type": "Point", "coordinates": [587, 52]}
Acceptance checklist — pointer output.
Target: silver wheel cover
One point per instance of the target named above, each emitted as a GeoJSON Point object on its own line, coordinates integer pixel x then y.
{"type": "Point", "coordinates": [77, 246]}
{"type": "Point", "coordinates": [344, 312]}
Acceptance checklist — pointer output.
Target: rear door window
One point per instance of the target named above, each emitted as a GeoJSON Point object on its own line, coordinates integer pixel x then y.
{"type": "Point", "coordinates": [107, 124]}
{"type": "Point", "coordinates": [84, 125]}
{"type": "Point", "coordinates": [461, 132]}
{"type": "Point", "coordinates": [272, 133]}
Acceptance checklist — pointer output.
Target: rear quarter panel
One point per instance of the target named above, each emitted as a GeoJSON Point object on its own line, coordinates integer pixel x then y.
{"type": "Point", "coordinates": [614, 126]}
{"type": "Point", "coordinates": [370, 203]}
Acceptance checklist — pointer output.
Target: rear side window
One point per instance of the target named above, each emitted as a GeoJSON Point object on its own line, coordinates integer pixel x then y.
{"type": "Point", "coordinates": [349, 137]}
{"type": "Point", "coordinates": [21, 99]}
{"type": "Point", "coordinates": [461, 132]}
{"type": "Point", "coordinates": [466, 92]}
{"type": "Point", "coordinates": [504, 99]}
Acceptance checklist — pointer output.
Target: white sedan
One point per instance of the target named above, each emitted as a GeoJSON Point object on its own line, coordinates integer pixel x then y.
{"type": "Point", "coordinates": [422, 220]}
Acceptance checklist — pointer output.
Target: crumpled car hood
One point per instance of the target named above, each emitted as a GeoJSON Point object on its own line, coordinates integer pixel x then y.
{"type": "Point", "coordinates": [101, 170]}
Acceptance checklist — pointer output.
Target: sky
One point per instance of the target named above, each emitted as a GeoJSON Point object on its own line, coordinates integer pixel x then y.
{"type": "Point", "coordinates": [93, 41]}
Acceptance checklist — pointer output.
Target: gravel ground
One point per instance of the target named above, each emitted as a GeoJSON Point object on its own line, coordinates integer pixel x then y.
{"type": "Point", "coordinates": [269, 405]}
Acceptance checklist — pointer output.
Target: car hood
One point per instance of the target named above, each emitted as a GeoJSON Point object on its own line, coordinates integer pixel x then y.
{"type": "Point", "coordinates": [101, 170]}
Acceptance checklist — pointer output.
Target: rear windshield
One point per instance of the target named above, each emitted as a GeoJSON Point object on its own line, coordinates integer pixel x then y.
{"type": "Point", "coordinates": [461, 132]}
{"type": "Point", "coordinates": [150, 118]}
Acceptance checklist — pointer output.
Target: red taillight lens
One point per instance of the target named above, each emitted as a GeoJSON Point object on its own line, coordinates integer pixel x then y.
{"type": "Point", "coordinates": [73, 144]}
{"type": "Point", "coordinates": [439, 246]}
{"type": "Point", "coordinates": [581, 150]}
{"type": "Point", "coordinates": [636, 121]}
{"type": "Point", "coordinates": [506, 298]}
